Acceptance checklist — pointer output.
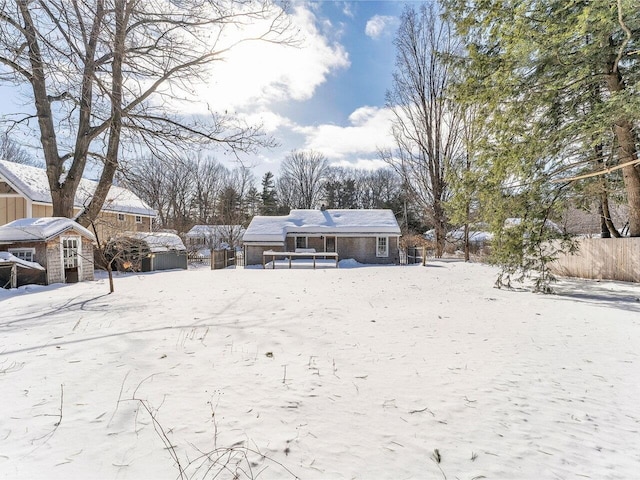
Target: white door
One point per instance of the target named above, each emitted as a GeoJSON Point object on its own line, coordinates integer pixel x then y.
{"type": "Point", "coordinates": [71, 258]}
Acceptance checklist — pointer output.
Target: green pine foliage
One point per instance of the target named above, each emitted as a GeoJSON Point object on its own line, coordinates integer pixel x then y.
{"type": "Point", "coordinates": [555, 84]}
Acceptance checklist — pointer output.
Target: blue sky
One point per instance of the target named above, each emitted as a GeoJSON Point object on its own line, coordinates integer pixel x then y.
{"type": "Point", "coordinates": [328, 95]}
{"type": "Point", "coordinates": [343, 115]}
{"type": "Point", "coordinates": [366, 79]}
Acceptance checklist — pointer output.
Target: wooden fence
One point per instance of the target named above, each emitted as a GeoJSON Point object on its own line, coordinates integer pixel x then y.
{"type": "Point", "coordinates": [220, 259]}
{"type": "Point", "coordinates": [602, 259]}
{"type": "Point", "coordinates": [413, 255]}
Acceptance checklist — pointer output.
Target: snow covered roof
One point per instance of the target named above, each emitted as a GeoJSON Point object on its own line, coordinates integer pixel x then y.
{"type": "Point", "coordinates": [6, 257]}
{"type": "Point", "coordinates": [275, 229]}
{"type": "Point", "coordinates": [35, 229]}
{"type": "Point", "coordinates": [514, 222]}
{"type": "Point", "coordinates": [213, 230]}
{"type": "Point", "coordinates": [159, 241]}
{"type": "Point", "coordinates": [33, 183]}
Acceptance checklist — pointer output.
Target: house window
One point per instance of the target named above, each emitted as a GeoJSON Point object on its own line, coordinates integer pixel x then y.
{"type": "Point", "coordinates": [121, 217]}
{"type": "Point", "coordinates": [70, 252]}
{"type": "Point", "coordinates": [26, 254]}
{"type": "Point", "coordinates": [301, 242]}
{"type": "Point", "coordinates": [382, 247]}
{"type": "Point", "coordinates": [138, 219]}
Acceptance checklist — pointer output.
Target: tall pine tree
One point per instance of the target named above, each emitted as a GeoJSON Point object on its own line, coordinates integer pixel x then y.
{"type": "Point", "coordinates": [556, 82]}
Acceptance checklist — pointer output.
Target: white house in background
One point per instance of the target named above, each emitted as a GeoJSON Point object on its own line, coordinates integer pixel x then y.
{"type": "Point", "coordinates": [367, 236]}
{"type": "Point", "coordinates": [214, 237]}
{"type": "Point", "coordinates": [63, 247]}
{"type": "Point", "coordinates": [24, 193]}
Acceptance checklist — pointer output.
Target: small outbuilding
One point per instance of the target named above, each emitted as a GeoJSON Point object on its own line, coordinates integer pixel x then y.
{"type": "Point", "coordinates": [166, 251]}
{"type": "Point", "coordinates": [61, 246]}
{"type": "Point", "coordinates": [15, 272]}
{"type": "Point", "coordinates": [367, 236]}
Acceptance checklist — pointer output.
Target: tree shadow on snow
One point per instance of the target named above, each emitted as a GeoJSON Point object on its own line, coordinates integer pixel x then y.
{"type": "Point", "coordinates": [621, 295]}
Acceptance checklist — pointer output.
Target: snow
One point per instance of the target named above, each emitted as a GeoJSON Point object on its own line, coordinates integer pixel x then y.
{"type": "Point", "coordinates": [159, 241]}
{"type": "Point", "coordinates": [8, 258]}
{"type": "Point", "coordinates": [33, 182]}
{"type": "Point", "coordinates": [215, 231]}
{"type": "Point", "coordinates": [475, 236]}
{"type": "Point", "coordinates": [457, 235]}
{"type": "Point", "coordinates": [348, 373]}
{"type": "Point", "coordinates": [336, 221]}
{"type": "Point", "coordinates": [45, 228]}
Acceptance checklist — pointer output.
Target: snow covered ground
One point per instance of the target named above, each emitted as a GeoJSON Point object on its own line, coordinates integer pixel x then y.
{"type": "Point", "coordinates": [352, 373]}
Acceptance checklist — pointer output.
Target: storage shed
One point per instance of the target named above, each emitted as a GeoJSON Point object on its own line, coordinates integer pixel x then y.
{"type": "Point", "coordinates": [63, 247]}
{"type": "Point", "coordinates": [15, 272]}
{"type": "Point", "coordinates": [166, 251]}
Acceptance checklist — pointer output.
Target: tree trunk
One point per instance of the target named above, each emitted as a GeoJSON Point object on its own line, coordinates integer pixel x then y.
{"type": "Point", "coordinates": [440, 227]}
{"type": "Point", "coordinates": [627, 153]}
{"type": "Point", "coordinates": [92, 210]}
{"type": "Point", "coordinates": [608, 228]}
{"type": "Point", "coordinates": [62, 197]}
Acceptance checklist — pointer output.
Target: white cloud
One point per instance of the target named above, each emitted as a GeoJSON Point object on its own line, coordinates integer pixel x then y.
{"type": "Point", "coordinates": [347, 10]}
{"type": "Point", "coordinates": [354, 145]}
{"type": "Point", "coordinates": [258, 73]}
{"type": "Point", "coordinates": [270, 121]}
{"type": "Point", "coordinates": [379, 24]}
{"type": "Point", "coordinates": [370, 164]}
{"type": "Point", "coordinates": [369, 130]}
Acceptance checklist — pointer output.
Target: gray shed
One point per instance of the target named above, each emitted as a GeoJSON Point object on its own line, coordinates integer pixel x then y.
{"type": "Point", "coordinates": [166, 251]}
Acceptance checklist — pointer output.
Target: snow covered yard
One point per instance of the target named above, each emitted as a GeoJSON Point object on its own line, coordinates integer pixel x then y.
{"type": "Point", "coordinates": [350, 373]}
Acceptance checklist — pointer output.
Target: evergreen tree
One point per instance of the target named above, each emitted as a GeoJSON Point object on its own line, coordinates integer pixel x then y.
{"type": "Point", "coordinates": [269, 197]}
{"type": "Point", "coordinates": [558, 81]}
{"type": "Point", "coordinates": [555, 84]}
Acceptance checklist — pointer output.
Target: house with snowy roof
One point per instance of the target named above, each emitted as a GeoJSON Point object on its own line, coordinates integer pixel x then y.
{"type": "Point", "coordinates": [62, 247]}
{"type": "Point", "coordinates": [24, 193]}
{"type": "Point", "coordinates": [367, 236]}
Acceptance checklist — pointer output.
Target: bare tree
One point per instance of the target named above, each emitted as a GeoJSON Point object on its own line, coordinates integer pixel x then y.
{"type": "Point", "coordinates": [101, 71]}
{"type": "Point", "coordinates": [302, 176]}
{"type": "Point", "coordinates": [380, 188]}
{"type": "Point", "coordinates": [207, 184]}
{"type": "Point", "coordinates": [233, 209]}
{"type": "Point", "coordinates": [180, 193]}
{"type": "Point", "coordinates": [12, 151]}
{"type": "Point", "coordinates": [427, 123]}
{"type": "Point", "coordinates": [147, 177]}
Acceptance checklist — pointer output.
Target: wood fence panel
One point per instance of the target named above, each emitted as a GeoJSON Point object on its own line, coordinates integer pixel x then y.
{"type": "Point", "coordinates": [602, 259]}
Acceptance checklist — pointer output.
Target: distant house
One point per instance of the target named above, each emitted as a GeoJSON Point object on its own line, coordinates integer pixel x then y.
{"type": "Point", "coordinates": [63, 247]}
{"type": "Point", "coordinates": [214, 237]}
{"type": "Point", "coordinates": [367, 236]}
{"type": "Point", "coordinates": [24, 193]}
{"type": "Point", "coordinates": [587, 222]}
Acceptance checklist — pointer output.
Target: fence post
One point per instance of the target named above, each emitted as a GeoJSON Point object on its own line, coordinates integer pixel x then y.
{"type": "Point", "coordinates": [424, 256]}
{"type": "Point", "coordinates": [14, 276]}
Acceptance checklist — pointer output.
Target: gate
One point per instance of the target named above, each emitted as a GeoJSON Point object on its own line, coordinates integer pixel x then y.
{"type": "Point", "coordinates": [227, 258]}
{"type": "Point", "coordinates": [413, 255]}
